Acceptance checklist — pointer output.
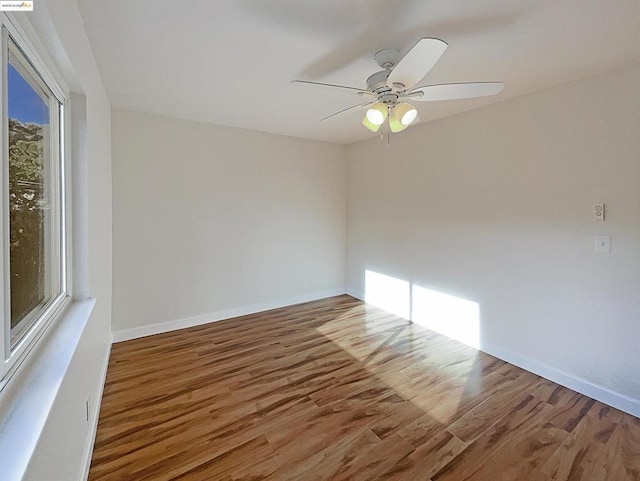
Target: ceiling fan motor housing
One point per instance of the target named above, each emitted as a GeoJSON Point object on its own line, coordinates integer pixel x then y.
{"type": "Point", "coordinates": [388, 99]}
{"type": "Point", "coordinates": [377, 84]}
{"type": "Point", "coordinates": [378, 81]}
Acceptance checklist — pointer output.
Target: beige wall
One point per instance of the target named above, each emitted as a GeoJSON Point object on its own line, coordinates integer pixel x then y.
{"type": "Point", "coordinates": [210, 218]}
{"type": "Point", "coordinates": [495, 206]}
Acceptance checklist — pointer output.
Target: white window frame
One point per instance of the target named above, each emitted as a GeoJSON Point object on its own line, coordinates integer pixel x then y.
{"type": "Point", "coordinates": [10, 358]}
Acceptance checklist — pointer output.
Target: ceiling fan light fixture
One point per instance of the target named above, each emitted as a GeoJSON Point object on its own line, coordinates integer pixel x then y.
{"type": "Point", "coordinates": [372, 127]}
{"type": "Point", "coordinates": [377, 113]}
{"type": "Point", "coordinates": [405, 113]}
{"type": "Point", "coordinates": [394, 123]}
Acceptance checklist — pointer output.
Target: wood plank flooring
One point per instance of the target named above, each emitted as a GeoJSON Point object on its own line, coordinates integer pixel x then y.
{"type": "Point", "coordinates": [339, 390]}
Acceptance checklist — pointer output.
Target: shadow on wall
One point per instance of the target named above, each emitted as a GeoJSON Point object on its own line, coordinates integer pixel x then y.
{"type": "Point", "coordinates": [449, 315]}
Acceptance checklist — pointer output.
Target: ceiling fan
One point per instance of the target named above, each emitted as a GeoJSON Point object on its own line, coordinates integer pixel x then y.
{"type": "Point", "coordinates": [389, 91]}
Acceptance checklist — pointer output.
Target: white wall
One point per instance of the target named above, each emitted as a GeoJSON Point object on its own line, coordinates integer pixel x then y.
{"type": "Point", "coordinates": [495, 206]}
{"type": "Point", "coordinates": [210, 218]}
{"type": "Point", "coordinates": [63, 444]}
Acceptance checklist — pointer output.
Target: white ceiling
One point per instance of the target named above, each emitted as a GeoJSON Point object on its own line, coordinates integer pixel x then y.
{"type": "Point", "coordinates": [229, 62]}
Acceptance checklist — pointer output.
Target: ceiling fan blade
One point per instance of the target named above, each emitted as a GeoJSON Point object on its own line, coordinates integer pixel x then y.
{"type": "Point", "coordinates": [456, 91]}
{"type": "Point", "coordinates": [345, 110]}
{"type": "Point", "coordinates": [342, 88]}
{"type": "Point", "coordinates": [417, 62]}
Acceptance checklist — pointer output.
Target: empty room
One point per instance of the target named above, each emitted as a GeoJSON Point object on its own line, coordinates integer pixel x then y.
{"type": "Point", "coordinates": [285, 240]}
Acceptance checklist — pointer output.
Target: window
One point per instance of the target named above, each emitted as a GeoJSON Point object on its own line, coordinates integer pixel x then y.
{"type": "Point", "coordinates": [34, 248]}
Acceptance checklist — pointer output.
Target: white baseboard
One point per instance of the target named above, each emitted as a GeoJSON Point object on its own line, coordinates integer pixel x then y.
{"type": "Point", "coordinates": [600, 393]}
{"type": "Point", "coordinates": [95, 415]}
{"type": "Point", "coordinates": [151, 329]}
{"type": "Point", "coordinates": [617, 400]}
{"type": "Point", "coordinates": [356, 294]}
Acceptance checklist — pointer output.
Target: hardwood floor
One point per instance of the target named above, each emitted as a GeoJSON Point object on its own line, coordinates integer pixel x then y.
{"type": "Point", "coordinates": [338, 390]}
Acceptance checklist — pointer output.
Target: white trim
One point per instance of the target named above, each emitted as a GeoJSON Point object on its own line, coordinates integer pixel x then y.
{"type": "Point", "coordinates": [357, 294]}
{"type": "Point", "coordinates": [27, 399]}
{"type": "Point", "coordinates": [600, 393]}
{"type": "Point", "coordinates": [159, 328]}
{"type": "Point", "coordinates": [77, 170]}
{"type": "Point", "coordinates": [95, 415]}
{"type": "Point", "coordinates": [5, 311]}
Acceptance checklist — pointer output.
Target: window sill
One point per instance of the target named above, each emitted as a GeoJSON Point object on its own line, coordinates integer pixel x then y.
{"type": "Point", "coordinates": [28, 396]}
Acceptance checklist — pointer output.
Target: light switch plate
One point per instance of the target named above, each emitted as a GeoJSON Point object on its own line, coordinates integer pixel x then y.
{"type": "Point", "coordinates": [598, 211]}
{"type": "Point", "coordinates": [603, 244]}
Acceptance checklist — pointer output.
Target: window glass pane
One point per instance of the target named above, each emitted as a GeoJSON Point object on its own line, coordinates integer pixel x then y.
{"type": "Point", "coordinates": [31, 226]}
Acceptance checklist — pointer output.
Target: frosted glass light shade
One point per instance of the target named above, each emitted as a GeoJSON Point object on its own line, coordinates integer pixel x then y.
{"type": "Point", "coordinates": [394, 122]}
{"type": "Point", "coordinates": [377, 113]}
{"type": "Point", "coordinates": [396, 126]}
{"type": "Point", "coordinates": [369, 125]}
{"type": "Point", "coordinates": [405, 113]}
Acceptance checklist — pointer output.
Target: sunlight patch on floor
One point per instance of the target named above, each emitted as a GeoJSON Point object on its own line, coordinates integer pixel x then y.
{"type": "Point", "coordinates": [370, 342]}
